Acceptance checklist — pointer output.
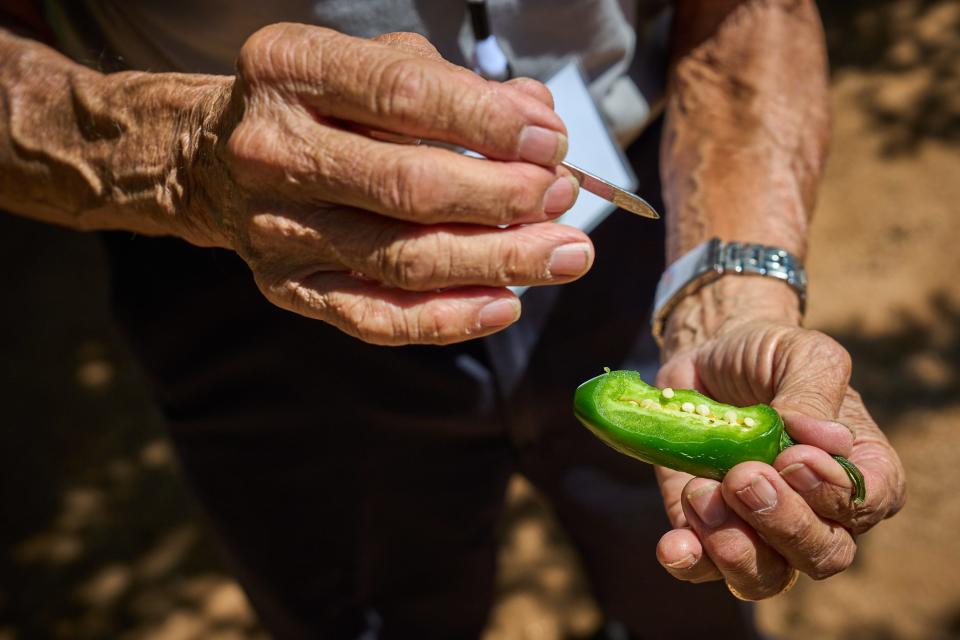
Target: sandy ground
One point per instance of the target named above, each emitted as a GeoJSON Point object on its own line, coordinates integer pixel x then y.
{"type": "Point", "coordinates": [98, 537]}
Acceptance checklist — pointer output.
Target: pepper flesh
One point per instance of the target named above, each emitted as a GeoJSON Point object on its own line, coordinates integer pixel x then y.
{"type": "Point", "coordinates": [643, 422]}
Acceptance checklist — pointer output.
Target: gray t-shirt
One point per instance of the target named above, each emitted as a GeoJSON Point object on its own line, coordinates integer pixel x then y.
{"type": "Point", "coordinates": [204, 36]}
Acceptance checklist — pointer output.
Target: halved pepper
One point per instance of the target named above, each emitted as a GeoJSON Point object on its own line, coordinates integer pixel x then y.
{"type": "Point", "coordinates": [683, 429]}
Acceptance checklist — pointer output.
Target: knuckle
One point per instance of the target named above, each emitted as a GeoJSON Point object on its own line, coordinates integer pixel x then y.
{"type": "Point", "coordinates": [439, 323]}
{"type": "Point", "coordinates": [411, 189]}
{"type": "Point", "coordinates": [281, 234]}
{"type": "Point", "coordinates": [262, 233]}
{"type": "Point", "coordinates": [268, 53]}
{"type": "Point", "coordinates": [414, 38]}
{"type": "Point", "coordinates": [507, 262]}
{"type": "Point", "coordinates": [402, 85]}
{"type": "Point", "coordinates": [491, 116]}
{"type": "Point", "coordinates": [374, 323]}
{"type": "Point", "coordinates": [428, 323]}
{"type": "Point", "coordinates": [533, 87]}
{"type": "Point", "coordinates": [813, 399]}
{"type": "Point", "coordinates": [521, 198]}
{"type": "Point", "coordinates": [832, 559]}
{"type": "Point", "coordinates": [397, 186]}
{"type": "Point", "coordinates": [869, 514]}
{"type": "Point", "coordinates": [249, 59]}
{"type": "Point", "coordinates": [886, 496]}
{"type": "Point", "coordinates": [796, 533]}
{"type": "Point", "coordinates": [291, 293]}
{"type": "Point", "coordinates": [412, 41]}
{"type": "Point", "coordinates": [866, 516]}
{"type": "Point", "coordinates": [411, 262]}
{"type": "Point", "coordinates": [737, 558]}
{"type": "Point", "coordinates": [832, 352]}
{"type": "Point", "coordinates": [256, 58]}
{"type": "Point", "coordinates": [249, 149]}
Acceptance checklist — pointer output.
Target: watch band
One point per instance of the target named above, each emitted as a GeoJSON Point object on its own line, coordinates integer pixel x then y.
{"type": "Point", "coordinates": [714, 258]}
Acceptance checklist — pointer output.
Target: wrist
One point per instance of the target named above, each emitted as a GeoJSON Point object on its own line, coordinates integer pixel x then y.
{"type": "Point", "coordinates": [729, 302]}
{"type": "Point", "coordinates": [204, 216]}
{"type": "Point", "coordinates": [165, 171]}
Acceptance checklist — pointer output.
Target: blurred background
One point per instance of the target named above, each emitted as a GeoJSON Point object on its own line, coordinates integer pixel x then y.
{"type": "Point", "coordinates": [99, 537]}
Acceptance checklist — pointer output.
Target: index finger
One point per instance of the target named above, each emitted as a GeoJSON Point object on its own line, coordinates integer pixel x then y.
{"type": "Point", "coordinates": [824, 485]}
{"type": "Point", "coordinates": [374, 84]}
{"type": "Point", "coordinates": [831, 436]}
{"type": "Point", "coordinates": [763, 499]}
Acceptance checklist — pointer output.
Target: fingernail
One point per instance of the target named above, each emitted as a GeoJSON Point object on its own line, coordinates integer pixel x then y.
{"type": "Point", "coordinates": [801, 477]}
{"type": "Point", "coordinates": [569, 259]}
{"type": "Point", "coordinates": [708, 505]}
{"type": "Point", "coordinates": [844, 427]}
{"type": "Point", "coordinates": [760, 495]}
{"type": "Point", "coordinates": [795, 417]}
{"type": "Point", "coordinates": [838, 427]}
{"type": "Point", "coordinates": [685, 562]}
{"type": "Point", "coordinates": [561, 195]}
{"type": "Point", "coordinates": [499, 313]}
{"type": "Point", "coordinates": [542, 146]}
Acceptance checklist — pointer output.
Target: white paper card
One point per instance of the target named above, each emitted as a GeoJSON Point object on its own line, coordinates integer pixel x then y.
{"type": "Point", "coordinates": [592, 148]}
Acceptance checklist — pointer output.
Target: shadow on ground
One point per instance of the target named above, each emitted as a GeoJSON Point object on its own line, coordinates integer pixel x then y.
{"type": "Point", "coordinates": [914, 366]}
{"type": "Point", "coordinates": [914, 46]}
{"type": "Point", "coordinates": [98, 537]}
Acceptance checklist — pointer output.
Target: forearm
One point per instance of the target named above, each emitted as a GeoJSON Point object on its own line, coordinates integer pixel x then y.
{"type": "Point", "coordinates": [745, 142]}
{"type": "Point", "coordinates": [94, 151]}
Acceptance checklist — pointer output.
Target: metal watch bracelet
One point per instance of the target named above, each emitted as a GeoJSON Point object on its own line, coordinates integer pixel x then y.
{"type": "Point", "coordinates": [714, 258]}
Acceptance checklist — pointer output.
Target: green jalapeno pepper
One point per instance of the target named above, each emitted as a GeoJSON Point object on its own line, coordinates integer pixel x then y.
{"type": "Point", "coordinates": [683, 429]}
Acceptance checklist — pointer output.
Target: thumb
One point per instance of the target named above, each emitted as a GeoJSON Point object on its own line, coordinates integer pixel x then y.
{"type": "Point", "coordinates": [813, 375]}
{"type": "Point", "coordinates": [411, 43]}
{"type": "Point", "coordinates": [679, 372]}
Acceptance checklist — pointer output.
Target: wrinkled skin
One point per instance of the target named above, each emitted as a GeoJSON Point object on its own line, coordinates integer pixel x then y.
{"type": "Point", "coordinates": [736, 530]}
{"type": "Point", "coordinates": [307, 165]}
{"type": "Point", "coordinates": [361, 232]}
{"type": "Point", "coordinates": [745, 142]}
{"type": "Point", "coordinates": [316, 181]}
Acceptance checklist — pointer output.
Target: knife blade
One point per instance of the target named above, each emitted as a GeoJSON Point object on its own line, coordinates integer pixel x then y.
{"type": "Point", "coordinates": [612, 193]}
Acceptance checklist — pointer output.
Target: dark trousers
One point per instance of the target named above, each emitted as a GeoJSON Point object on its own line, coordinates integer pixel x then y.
{"type": "Point", "coordinates": [357, 487]}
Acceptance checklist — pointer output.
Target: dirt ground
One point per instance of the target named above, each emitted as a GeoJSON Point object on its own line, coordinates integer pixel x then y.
{"type": "Point", "coordinates": [99, 539]}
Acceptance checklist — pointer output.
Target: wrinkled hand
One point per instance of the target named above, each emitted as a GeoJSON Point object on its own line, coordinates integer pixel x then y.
{"type": "Point", "coordinates": [762, 521]}
{"type": "Point", "coordinates": [342, 219]}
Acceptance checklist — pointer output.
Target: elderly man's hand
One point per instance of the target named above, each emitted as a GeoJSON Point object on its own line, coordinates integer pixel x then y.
{"type": "Point", "coordinates": [315, 182]}
{"type": "Point", "coordinates": [761, 522]}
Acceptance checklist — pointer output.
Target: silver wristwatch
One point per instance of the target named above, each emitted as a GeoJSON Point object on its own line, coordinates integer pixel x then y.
{"type": "Point", "coordinates": [714, 258]}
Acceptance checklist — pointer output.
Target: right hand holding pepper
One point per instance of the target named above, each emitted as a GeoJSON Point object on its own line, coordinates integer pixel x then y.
{"type": "Point", "coordinates": [392, 243]}
{"type": "Point", "coordinates": [762, 522]}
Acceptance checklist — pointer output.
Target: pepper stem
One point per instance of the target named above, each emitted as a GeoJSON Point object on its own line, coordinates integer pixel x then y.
{"type": "Point", "coordinates": [856, 477]}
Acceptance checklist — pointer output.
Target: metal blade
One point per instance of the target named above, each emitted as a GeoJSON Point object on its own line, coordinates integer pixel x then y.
{"type": "Point", "coordinates": [612, 193]}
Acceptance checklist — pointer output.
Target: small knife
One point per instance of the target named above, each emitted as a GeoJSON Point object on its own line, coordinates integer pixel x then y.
{"type": "Point", "coordinates": [612, 193]}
